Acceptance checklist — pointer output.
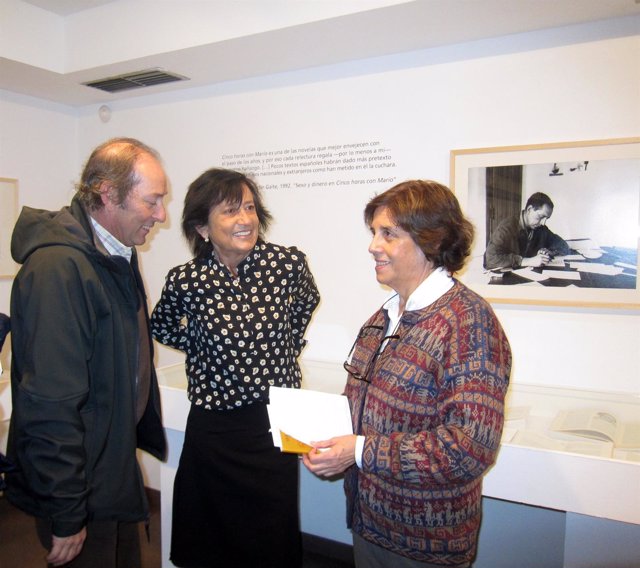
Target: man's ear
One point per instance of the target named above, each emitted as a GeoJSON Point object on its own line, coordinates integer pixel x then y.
{"type": "Point", "coordinates": [107, 193]}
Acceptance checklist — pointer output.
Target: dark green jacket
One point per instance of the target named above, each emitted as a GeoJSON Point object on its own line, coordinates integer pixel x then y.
{"type": "Point", "coordinates": [73, 432]}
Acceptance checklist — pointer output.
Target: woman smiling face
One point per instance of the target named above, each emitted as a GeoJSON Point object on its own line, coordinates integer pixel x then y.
{"type": "Point", "coordinates": [233, 229]}
{"type": "Point", "coordinates": [400, 263]}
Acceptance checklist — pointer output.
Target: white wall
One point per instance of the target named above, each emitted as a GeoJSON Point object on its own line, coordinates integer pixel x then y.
{"type": "Point", "coordinates": [38, 146]}
{"type": "Point", "coordinates": [601, 202]}
{"type": "Point", "coordinates": [566, 84]}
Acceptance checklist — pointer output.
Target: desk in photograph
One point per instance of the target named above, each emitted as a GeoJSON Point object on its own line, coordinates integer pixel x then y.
{"type": "Point", "coordinates": [607, 267]}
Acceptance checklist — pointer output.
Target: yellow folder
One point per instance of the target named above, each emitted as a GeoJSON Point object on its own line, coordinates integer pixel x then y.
{"type": "Point", "coordinates": [293, 446]}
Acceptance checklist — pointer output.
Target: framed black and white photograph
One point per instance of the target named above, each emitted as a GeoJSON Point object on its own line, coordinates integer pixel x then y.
{"type": "Point", "coordinates": [555, 223]}
{"type": "Point", "coordinates": [8, 216]}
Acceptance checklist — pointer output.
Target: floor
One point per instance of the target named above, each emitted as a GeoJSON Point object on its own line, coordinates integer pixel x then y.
{"type": "Point", "coordinates": [19, 547]}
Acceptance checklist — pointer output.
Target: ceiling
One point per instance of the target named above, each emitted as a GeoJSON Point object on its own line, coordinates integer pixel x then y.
{"type": "Point", "coordinates": [331, 34]}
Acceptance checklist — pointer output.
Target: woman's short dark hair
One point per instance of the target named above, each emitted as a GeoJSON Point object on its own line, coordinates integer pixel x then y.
{"type": "Point", "coordinates": [431, 214]}
{"type": "Point", "coordinates": [211, 188]}
{"type": "Point", "coordinates": [113, 162]}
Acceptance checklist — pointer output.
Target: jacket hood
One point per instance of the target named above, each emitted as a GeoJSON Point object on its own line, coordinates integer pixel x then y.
{"type": "Point", "coordinates": [38, 228]}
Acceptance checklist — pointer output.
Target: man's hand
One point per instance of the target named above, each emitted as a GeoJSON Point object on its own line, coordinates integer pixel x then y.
{"type": "Point", "coordinates": [65, 549]}
{"type": "Point", "coordinates": [331, 457]}
{"type": "Point", "coordinates": [543, 258]}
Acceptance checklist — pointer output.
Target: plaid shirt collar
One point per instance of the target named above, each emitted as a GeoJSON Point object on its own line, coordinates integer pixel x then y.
{"type": "Point", "coordinates": [114, 246]}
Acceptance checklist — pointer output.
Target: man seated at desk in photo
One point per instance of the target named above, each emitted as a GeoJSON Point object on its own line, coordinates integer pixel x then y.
{"type": "Point", "coordinates": [525, 240]}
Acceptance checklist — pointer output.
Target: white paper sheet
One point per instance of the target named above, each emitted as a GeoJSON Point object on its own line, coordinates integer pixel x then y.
{"type": "Point", "coordinates": [596, 268]}
{"type": "Point", "coordinates": [627, 266]}
{"type": "Point", "coordinates": [531, 274]}
{"type": "Point", "coordinates": [307, 415]}
{"type": "Point", "coordinates": [561, 274]}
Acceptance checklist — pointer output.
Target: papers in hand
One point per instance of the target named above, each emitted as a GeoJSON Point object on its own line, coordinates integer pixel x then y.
{"type": "Point", "coordinates": [300, 416]}
{"type": "Point", "coordinates": [290, 445]}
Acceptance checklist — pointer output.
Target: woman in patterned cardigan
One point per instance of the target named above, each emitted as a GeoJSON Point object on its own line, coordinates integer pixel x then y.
{"type": "Point", "coordinates": [428, 374]}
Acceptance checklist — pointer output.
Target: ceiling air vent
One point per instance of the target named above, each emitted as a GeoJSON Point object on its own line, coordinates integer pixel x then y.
{"type": "Point", "coordinates": [136, 80]}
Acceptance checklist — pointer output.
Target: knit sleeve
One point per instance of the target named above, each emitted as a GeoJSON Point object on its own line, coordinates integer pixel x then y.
{"type": "Point", "coordinates": [462, 423]}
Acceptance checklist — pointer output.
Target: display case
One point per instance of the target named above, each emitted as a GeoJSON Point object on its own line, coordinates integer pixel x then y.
{"type": "Point", "coordinates": [584, 482]}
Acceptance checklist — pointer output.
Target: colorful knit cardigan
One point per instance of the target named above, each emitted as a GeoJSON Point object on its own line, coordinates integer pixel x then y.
{"type": "Point", "coordinates": [432, 416]}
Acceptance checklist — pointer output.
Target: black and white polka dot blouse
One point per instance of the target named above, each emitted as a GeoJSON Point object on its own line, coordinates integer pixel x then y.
{"type": "Point", "coordinates": [240, 334]}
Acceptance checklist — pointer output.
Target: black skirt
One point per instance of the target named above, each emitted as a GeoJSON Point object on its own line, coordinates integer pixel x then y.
{"type": "Point", "coordinates": [235, 496]}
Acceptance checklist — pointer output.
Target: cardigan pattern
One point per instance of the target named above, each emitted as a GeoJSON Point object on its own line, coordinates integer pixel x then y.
{"type": "Point", "coordinates": [432, 416]}
{"type": "Point", "coordinates": [241, 333]}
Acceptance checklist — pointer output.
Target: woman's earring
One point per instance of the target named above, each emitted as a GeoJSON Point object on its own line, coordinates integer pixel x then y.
{"type": "Point", "coordinates": [206, 239]}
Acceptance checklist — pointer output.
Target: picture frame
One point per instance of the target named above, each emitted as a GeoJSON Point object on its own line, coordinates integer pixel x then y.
{"type": "Point", "coordinates": [594, 186]}
{"type": "Point", "coordinates": [8, 216]}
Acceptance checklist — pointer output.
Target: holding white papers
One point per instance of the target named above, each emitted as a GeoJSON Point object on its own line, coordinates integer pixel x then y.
{"type": "Point", "coordinates": [300, 416]}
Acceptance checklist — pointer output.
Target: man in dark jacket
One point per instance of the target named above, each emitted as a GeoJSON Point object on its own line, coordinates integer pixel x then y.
{"type": "Point", "coordinates": [84, 390]}
{"type": "Point", "coordinates": [525, 240]}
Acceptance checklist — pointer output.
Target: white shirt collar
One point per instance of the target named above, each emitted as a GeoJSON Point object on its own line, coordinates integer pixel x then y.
{"type": "Point", "coordinates": [430, 289]}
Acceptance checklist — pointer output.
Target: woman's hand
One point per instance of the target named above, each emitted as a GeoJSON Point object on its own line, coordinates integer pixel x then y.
{"type": "Point", "coordinates": [332, 456]}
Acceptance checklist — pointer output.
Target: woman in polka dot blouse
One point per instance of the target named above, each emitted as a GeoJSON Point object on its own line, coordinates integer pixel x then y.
{"type": "Point", "coordinates": [239, 310]}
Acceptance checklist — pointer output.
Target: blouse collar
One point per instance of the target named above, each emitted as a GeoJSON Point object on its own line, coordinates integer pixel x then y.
{"type": "Point", "coordinates": [245, 264]}
{"type": "Point", "coordinates": [438, 283]}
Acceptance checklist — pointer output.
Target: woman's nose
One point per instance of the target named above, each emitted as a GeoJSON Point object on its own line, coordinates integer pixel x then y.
{"type": "Point", "coordinates": [374, 245]}
{"type": "Point", "coordinates": [243, 216]}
